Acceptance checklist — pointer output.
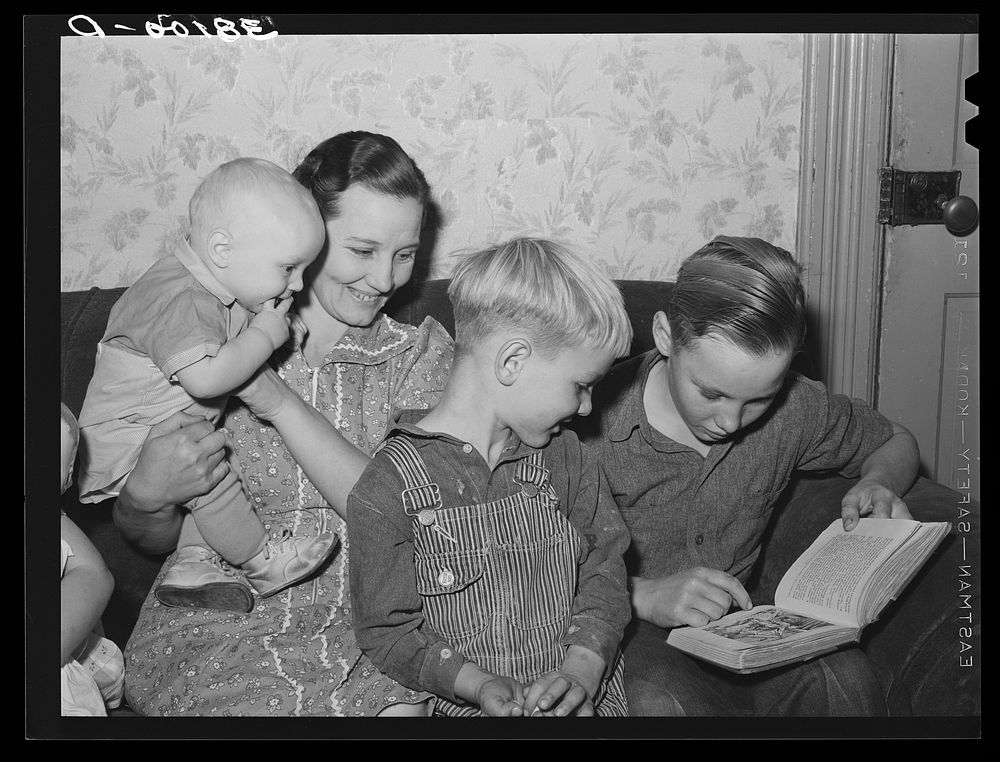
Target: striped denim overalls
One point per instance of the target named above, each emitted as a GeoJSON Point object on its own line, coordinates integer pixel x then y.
{"type": "Point", "coordinates": [497, 579]}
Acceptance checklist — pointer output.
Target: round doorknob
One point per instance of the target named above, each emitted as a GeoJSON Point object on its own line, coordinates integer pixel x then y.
{"type": "Point", "coordinates": [960, 215]}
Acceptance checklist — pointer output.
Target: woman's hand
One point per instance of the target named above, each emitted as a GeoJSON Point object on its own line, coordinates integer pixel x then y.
{"type": "Point", "coordinates": [692, 597]}
{"type": "Point", "coordinates": [266, 394]}
{"type": "Point", "coordinates": [331, 462]}
{"type": "Point", "coordinates": [183, 457]}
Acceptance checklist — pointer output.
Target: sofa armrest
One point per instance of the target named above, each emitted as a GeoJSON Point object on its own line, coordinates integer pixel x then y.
{"type": "Point", "coordinates": [932, 665]}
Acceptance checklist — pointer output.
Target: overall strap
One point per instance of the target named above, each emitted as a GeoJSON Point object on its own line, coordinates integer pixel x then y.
{"type": "Point", "coordinates": [532, 474]}
{"type": "Point", "coordinates": [419, 493]}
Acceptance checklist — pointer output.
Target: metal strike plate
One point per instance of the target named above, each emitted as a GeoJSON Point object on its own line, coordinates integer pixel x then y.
{"type": "Point", "coordinates": [915, 198]}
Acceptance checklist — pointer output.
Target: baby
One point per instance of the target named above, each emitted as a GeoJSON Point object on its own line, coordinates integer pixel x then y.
{"type": "Point", "coordinates": [189, 332]}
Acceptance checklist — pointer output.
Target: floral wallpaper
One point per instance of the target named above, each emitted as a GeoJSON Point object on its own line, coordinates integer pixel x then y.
{"type": "Point", "coordinates": [634, 148]}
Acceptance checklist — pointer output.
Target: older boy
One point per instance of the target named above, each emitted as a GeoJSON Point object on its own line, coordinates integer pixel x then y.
{"type": "Point", "coordinates": [698, 439]}
{"type": "Point", "coordinates": [487, 564]}
{"type": "Point", "coordinates": [192, 329]}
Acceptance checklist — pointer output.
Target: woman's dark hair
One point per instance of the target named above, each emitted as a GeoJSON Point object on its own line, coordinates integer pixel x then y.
{"type": "Point", "coordinates": [375, 161]}
{"type": "Point", "coordinates": [744, 290]}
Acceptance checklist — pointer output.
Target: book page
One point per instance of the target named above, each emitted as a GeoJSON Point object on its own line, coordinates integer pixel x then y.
{"type": "Point", "coordinates": [763, 637]}
{"type": "Point", "coordinates": [829, 579]}
{"type": "Point", "coordinates": [897, 572]}
{"type": "Point", "coordinates": [763, 625]}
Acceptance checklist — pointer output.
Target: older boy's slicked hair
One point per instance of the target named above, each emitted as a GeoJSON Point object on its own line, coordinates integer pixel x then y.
{"type": "Point", "coordinates": [558, 298]}
{"type": "Point", "coordinates": [210, 203]}
{"type": "Point", "coordinates": [744, 290]}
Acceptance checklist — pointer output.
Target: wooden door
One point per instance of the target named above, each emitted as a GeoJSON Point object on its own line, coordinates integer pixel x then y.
{"type": "Point", "coordinates": [928, 370]}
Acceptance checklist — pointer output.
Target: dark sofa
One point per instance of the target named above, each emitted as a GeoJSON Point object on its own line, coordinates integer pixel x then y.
{"type": "Point", "coordinates": [917, 643]}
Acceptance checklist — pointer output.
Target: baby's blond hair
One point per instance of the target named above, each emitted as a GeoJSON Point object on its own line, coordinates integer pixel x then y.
{"type": "Point", "coordinates": [213, 199]}
{"type": "Point", "coordinates": [557, 297]}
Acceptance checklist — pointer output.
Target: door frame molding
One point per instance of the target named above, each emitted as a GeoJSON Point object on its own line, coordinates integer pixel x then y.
{"type": "Point", "coordinates": [845, 141]}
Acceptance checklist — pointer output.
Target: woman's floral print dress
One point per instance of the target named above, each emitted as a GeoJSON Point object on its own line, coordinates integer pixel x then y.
{"type": "Point", "coordinates": [295, 653]}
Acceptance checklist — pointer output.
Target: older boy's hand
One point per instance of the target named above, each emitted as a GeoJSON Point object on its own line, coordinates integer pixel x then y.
{"type": "Point", "coordinates": [692, 597]}
{"type": "Point", "coordinates": [871, 498]}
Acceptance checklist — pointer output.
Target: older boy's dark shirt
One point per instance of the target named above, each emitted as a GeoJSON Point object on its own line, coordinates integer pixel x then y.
{"type": "Point", "coordinates": [684, 510]}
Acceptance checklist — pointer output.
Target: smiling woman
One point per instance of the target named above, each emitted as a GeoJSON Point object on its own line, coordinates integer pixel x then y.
{"type": "Point", "coordinates": [370, 251]}
{"type": "Point", "coordinates": [295, 652]}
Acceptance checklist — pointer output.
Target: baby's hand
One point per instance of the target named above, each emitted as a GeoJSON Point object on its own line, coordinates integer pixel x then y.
{"type": "Point", "coordinates": [558, 694]}
{"type": "Point", "coordinates": [500, 697]}
{"type": "Point", "coordinates": [273, 320]}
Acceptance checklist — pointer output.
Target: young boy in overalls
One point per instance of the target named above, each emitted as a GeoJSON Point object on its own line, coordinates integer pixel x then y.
{"type": "Point", "coordinates": [487, 562]}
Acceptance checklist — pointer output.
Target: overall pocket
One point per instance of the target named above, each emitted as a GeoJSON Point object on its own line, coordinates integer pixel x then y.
{"type": "Point", "coordinates": [543, 580]}
{"type": "Point", "coordinates": [456, 599]}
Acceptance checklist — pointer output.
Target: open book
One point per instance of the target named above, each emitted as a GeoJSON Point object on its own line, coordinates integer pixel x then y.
{"type": "Point", "coordinates": [837, 587]}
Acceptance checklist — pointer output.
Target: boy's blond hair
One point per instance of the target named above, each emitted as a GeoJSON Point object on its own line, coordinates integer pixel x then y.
{"type": "Point", "coordinates": [217, 196]}
{"type": "Point", "coordinates": [543, 288]}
